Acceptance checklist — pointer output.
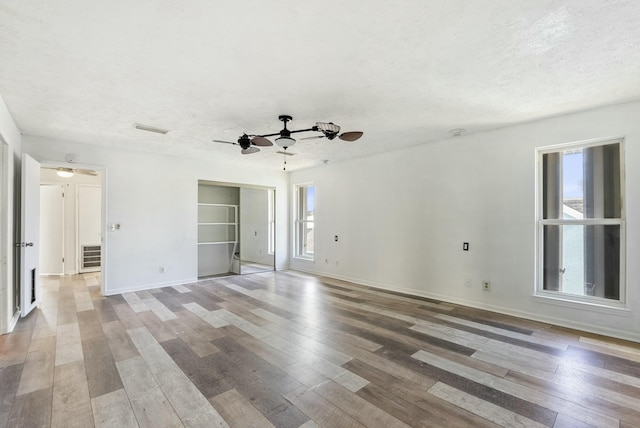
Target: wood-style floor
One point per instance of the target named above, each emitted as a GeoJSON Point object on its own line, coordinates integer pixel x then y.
{"type": "Point", "coordinates": [285, 349]}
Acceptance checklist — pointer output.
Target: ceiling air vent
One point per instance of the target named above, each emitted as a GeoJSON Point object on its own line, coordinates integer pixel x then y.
{"type": "Point", "coordinates": [150, 128]}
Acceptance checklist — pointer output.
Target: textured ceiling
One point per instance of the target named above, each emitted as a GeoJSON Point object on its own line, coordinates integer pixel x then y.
{"type": "Point", "coordinates": [405, 72]}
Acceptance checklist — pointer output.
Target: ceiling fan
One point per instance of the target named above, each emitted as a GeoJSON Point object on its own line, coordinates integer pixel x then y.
{"type": "Point", "coordinates": [248, 144]}
{"type": "Point", "coordinates": [328, 129]}
{"type": "Point", "coordinates": [68, 172]}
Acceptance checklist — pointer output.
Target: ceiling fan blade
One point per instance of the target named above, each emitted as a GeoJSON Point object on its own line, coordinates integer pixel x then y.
{"type": "Point", "coordinates": [250, 150]}
{"type": "Point", "coordinates": [85, 172]}
{"type": "Point", "coordinates": [350, 136]}
{"type": "Point", "coordinates": [313, 138]}
{"type": "Point", "coordinates": [225, 142]}
{"type": "Point", "coordinates": [261, 141]}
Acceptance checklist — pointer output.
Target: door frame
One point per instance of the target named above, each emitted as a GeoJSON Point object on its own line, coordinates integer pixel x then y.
{"type": "Point", "coordinates": [103, 214]}
{"type": "Point", "coordinates": [239, 186]}
{"type": "Point", "coordinates": [6, 284]}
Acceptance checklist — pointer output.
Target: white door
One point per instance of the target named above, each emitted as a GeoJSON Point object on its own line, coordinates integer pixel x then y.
{"type": "Point", "coordinates": [89, 227]}
{"type": "Point", "coordinates": [29, 235]}
{"type": "Point", "coordinates": [51, 229]}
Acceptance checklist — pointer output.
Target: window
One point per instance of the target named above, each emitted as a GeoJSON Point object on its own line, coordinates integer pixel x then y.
{"type": "Point", "coordinates": [581, 223]}
{"type": "Point", "coordinates": [305, 206]}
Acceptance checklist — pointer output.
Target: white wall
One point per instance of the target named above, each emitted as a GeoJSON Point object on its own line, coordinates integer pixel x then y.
{"type": "Point", "coordinates": [402, 217]}
{"type": "Point", "coordinates": [10, 136]}
{"type": "Point", "coordinates": [154, 199]}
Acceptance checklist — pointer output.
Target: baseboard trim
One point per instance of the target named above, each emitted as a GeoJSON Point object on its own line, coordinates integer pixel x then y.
{"type": "Point", "coordinates": [560, 322]}
{"type": "Point", "coordinates": [13, 321]}
{"type": "Point", "coordinates": [111, 292]}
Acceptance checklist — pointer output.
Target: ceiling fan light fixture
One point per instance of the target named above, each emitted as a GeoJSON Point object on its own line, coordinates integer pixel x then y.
{"type": "Point", "coordinates": [285, 142]}
{"type": "Point", "coordinates": [329, 129]}
{"type": "Point", "coordinates": [64, 172]}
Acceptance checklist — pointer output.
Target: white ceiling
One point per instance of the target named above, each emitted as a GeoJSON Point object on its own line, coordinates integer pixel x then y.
{"type": "Point", "coordinates": [404, 72]}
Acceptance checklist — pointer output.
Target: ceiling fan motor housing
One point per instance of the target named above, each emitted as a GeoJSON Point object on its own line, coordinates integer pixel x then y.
{"type": "Point", "coordinates": [244, 141]}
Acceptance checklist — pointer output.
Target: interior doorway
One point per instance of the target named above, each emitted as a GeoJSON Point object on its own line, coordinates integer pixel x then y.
{"type": "Point", "coordinates": [70, 221]}
{"type": "Point", "coordinates": [236, 229]}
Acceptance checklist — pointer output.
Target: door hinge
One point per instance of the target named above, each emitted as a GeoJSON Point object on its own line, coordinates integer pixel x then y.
{"type": "Point", "coordinates": [63, 260]}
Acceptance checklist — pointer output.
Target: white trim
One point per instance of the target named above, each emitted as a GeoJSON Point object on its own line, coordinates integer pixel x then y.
{"type": "Point", "coordinates": [588, 303]}
{"type": "Point", "coordinates": [594, 142]}
{"type": "Point", "coordinates": [584, 221]}
{"type": "Point", "coordinates": [13, 321]}
{"type": "Point", "coordinates": [540, 222]}
{"type": "Point", "coordinates": [304, 258]}
{"type": "Point", "coordinates": [297, 221]}
{"type": "Point", "coordinates": [589, 328]}
{"type": "Point", "coordinates": [152, 286]}
{"type": "Point", "coordinates": [6, 324]}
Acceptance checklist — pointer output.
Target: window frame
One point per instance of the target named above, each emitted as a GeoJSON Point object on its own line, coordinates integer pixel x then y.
{"type": "Point", "coordinates": [540, 222]}
{"type": "Point", "coordinates": [299, 243]}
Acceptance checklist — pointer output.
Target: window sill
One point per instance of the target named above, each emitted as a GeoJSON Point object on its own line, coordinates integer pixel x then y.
{"type": "Point", "coordinates": [303, 258]}
{"type": "Point", "coordinates": [613, 308]}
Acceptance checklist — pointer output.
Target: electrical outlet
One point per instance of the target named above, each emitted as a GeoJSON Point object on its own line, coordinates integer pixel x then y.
{"type": "Point", "coordinates": [486, 285]}
{"type": "Point", "coordinates": [467, 282]}
{"type": "Point", "coordinates": [161, 269]}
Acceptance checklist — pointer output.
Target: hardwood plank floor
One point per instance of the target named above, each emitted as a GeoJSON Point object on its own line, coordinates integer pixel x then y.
{"type": "Point", "coordinates": [286, 349]}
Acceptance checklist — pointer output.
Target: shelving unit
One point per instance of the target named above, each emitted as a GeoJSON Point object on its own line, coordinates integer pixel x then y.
{"type": "Point", "coordinates": [218, 232]}
{"type": "Point", "coordinates": [217, 224]}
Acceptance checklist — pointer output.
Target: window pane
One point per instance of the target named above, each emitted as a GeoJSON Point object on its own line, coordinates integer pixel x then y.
{"type": "Point", "coordinates": [583, 183]}
{"type": "Point", "coordinates": [573, 183]}
{"type": "Point", "coordinates": [308, 238]}
{"type": "Point", "coordinates": [582, 260]}
{"type": "Point", "coordinates": [304, 229]}
{"type": "Point", "coordinates": [602, 182]}
{"type": "Point", "coordinates": [310, 202]}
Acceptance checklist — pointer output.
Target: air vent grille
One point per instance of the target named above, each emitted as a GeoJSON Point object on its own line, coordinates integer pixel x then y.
{"type": "Point", "coordinates": [91, 257]}
{"type": "Point", "coordinates": [150, 128]}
